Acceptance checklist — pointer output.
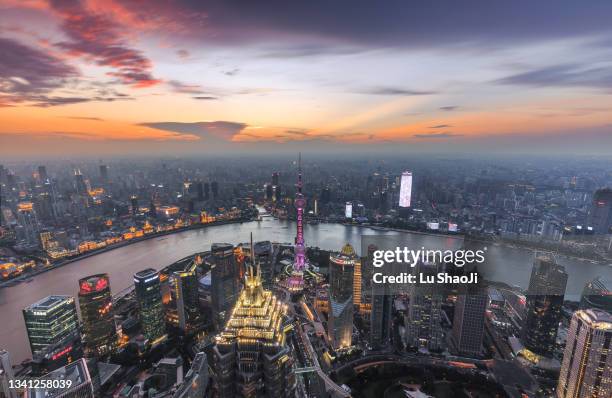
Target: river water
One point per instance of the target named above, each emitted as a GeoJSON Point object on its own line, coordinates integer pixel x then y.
{"type": "Point", "coordinates": [513, 265]}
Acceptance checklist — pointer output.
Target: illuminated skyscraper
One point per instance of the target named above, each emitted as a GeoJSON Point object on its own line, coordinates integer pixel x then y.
{"type": "Point", "coordinates": [148, 294]}
{"type": "Point", "coordinates": [26, 215]}
{"type": "Point", "coordinates": [405, 189]}
{"type": "Point", "coordinates": [544, 305]}
{"type": "Point", "coordinates": [296, 280]}
{"type": "Point", "coordinates": [50, 320]}
{"type": "Point", "coordinates": [96, 304]}
{"type": "Point", "coordinates": [251, 357]}
{"type": "Point", "coordinates": [186, 294]}
{"type": "Point", "coordinates": [225, 281]}
{"type": "Point", "coordinates": [586, 370]}
{"type": "Point", "coordinates": [341, 277]}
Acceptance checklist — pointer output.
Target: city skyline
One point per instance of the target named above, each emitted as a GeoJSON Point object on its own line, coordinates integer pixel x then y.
{"type": "Point", "coordinates": [92, 77]}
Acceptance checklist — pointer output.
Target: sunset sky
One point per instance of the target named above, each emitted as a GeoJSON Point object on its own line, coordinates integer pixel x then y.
{"type": "Point", "coordinates": [188, 77]}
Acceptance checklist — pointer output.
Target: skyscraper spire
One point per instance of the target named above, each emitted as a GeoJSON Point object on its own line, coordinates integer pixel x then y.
{"type": "Point", "coordinates": [296, 281]}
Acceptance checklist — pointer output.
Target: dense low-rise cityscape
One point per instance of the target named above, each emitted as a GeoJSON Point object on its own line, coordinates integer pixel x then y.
{"type": "Point", "coordinates": [274, 318]}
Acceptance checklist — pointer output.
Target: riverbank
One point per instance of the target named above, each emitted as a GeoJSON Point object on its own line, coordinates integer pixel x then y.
{"type": "Point", "coordinates": [25, 278]}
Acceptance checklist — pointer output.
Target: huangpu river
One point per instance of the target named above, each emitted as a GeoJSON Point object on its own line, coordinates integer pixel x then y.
{"type": "Point", "coordinates": [512, 265]}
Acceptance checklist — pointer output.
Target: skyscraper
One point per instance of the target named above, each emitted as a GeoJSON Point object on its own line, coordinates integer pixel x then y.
{"type": "Point", "coordinates": [544, 305]}
{"type": "Point", "coordinates": [134, 204]}
{"type": "Point", "coordinates": [405, 189]}
{"type": "Point", "coordinates": [340, 322]}
{"type": "Point", "coordinates": [186, 294]}
{"type": "Point", "coordinates": [225, 280]}
{"type": "Point", "coordinates": [26, 215]}
{"type": "Point", "coordinates": [600, 215]}
{"type": "Point", "coordinates": [469, 321]}
{"type": "Point", "coordinates": [104, 173]}
{"type": "Point", "coordinates": [96, 304]}
{"type": "Point", "coordinates": [379, 294]}
{"type": "Point", "coordinates": [423, 327]}
{"type": "Point", "coordinates": [79, 183]}
{"type": "Point", "coordinates": [148, 294]}
{"type": "Point", "coordinates": [42, 173]}
{"type": "Point", "coordinates": [586, 370]}
{"type": "Point", "coordinates": [251, 357]}
{"type": "Point", "coordinates": [50, 320]}
{"type": "Point", "coordinates": [296, 280]}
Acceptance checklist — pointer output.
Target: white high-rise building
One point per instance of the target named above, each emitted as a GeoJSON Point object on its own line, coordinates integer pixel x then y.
{"type": "Point", "coordinates": [405, 189]}
{"type": "Point", "coordinates": [348, 210]}
{"type": "Point", "coordinates": [586, 370]}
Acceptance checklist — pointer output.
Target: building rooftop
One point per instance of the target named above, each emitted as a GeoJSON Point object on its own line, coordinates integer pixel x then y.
{"type": "Point", "coordinates": [76, 372]}
{"type": "Point", "coordinates": [48, 302]}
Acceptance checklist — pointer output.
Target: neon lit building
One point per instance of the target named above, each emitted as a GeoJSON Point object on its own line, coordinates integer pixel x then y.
{"type": "Point", "coordinates": [251, 357]}
{"type": "Point", "coordinates": [586, 370]}
{"type": "Point", "coordinates": [405, 189]}
{"type": "Point", "coordinates": [96, 304]}
{"type": "Point", "coordinates": [341, 277]}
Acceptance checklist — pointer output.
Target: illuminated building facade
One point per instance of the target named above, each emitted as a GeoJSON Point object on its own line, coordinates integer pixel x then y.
{"type": "Point", "coordinates": [54, 356]}
{"type": "Point", "coordinates": [405, 189]}
{"type": "Point", "coordinates": [341, 277]}
{"type": "Point", "coordinates": [148, 294]}
{"type": "Point", "coordinates": [296, 280]}
{"type": "Point", "coordinates": [96, 304]}
{"type": "Point", "coordinates": [225, 282]}
{"type": "Point", "coordinates": [586, 370]}
{"type": "Point", "coordinates": [186, 296]}
{"type": "Point", "coordinates": [49, 321]}
{"type": "Point", "coordinates": [544, 306]}
{"type": "Point", "coordinates": [251, 357]}
{"type": "Point", "coordinates": [26, 215]}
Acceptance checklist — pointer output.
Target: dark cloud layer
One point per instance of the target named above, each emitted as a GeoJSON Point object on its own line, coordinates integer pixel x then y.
{"type": "Point", "coordinates": [407, 23]}
{"type": "Point", "coordinates": [396, 91]}
{"type": "Point", "coordinates": [209, 130]}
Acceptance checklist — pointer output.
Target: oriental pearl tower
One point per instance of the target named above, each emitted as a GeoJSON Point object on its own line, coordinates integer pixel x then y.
{"type": "Point", "coordinates": [296, 280]}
